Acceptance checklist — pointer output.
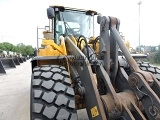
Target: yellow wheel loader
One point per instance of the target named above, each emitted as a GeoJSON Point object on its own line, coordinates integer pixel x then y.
{"type": "Point", "coordinates": [74, 69]}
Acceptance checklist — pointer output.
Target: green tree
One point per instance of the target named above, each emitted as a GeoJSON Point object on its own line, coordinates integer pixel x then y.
{"type": "Point", "coordinates": [21, 48]}
{"type": "Point", "coordinates": [14, 48]}
{"type": "Point", "coordinates": [7, 46]}
{"type": "Point", "coordinates": [2, 46]}
{"type": "Point", "coordinates": [157, 56]}
{"type": "Point", "coordinates": [25, 49]}
{"type": "Point", "coordinates": [28, 50]}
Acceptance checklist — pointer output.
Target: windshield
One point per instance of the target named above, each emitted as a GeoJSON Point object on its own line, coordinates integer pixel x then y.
{"type": "Point", "coordinates": [75, 22]}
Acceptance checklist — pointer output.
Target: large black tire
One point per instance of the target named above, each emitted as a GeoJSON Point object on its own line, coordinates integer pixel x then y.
{"type": "Point", "coordinates": [145, 66]}
{"type": "Point", "coordinates": [52, 96]}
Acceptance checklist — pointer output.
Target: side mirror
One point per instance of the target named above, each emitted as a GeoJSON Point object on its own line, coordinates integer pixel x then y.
{"type": "Point", "coordinates": [50, 13]}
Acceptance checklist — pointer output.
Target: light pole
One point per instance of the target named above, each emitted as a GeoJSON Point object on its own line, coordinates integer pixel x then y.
{"type": "Point", "coordinates": [139, 3]}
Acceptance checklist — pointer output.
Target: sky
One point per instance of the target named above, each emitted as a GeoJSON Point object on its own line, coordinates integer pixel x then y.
{"type": "Point", "coordinates": [19, 18]}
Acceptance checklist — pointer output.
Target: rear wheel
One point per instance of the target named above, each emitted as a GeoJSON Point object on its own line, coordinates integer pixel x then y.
{"type": "Point", "coordinates": [145, 66]}
{"type": "Point", "coordinates": [52, 96]}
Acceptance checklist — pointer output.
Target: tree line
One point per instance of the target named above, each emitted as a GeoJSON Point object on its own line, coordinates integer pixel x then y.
{"type": "Point", "coordinates": [157, 56]}
{"type": "Point", "coordinates": [18, 49]}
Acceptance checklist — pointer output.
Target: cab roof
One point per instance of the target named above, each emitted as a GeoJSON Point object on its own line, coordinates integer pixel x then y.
{"type": "Point", "coordinates": [62, 8]}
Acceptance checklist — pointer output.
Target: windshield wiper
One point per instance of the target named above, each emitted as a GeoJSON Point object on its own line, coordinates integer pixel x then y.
{"type": "Point", "coordinates": [65, 25]}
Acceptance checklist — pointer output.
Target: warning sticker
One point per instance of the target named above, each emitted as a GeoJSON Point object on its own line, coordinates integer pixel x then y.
{"type": "Point", "coordinates": [94, 111]}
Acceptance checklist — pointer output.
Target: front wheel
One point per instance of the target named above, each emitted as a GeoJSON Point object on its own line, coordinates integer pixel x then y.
{"type": "Point", "coordinates": [52, 96]}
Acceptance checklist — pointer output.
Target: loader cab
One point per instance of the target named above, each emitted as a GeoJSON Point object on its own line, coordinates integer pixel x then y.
{"type": "Point", "coordinates": [70, 21]}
